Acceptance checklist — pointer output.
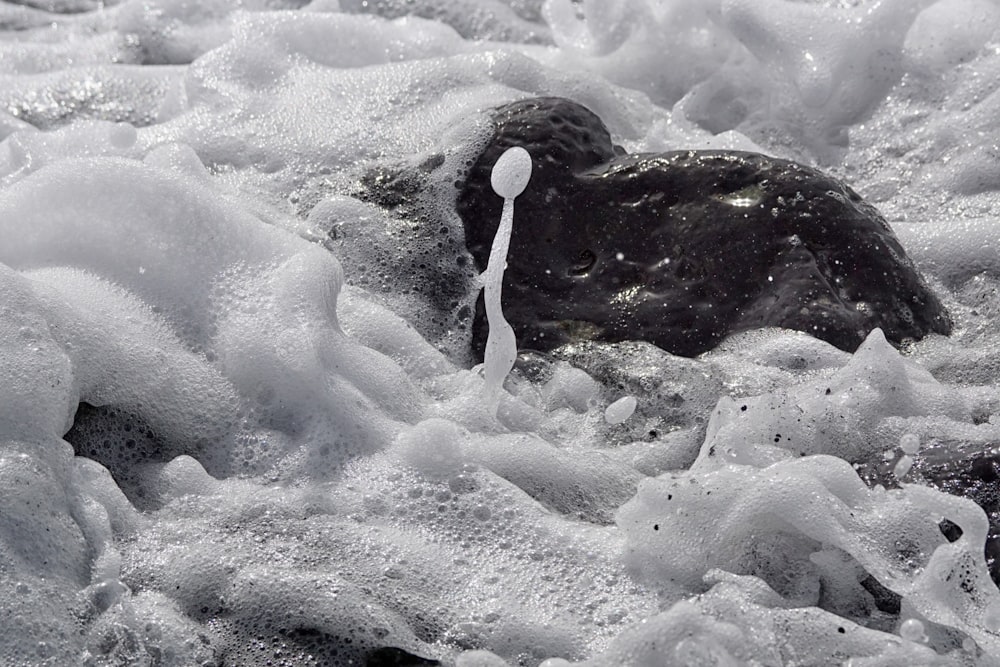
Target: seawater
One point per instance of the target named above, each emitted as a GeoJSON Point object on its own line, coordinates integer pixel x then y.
{"type": "Point", "coordinates": [184, 252]}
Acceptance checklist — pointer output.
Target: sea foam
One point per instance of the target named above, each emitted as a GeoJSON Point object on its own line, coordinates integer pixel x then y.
{"type": "Point", "coordinates": [233, 427]}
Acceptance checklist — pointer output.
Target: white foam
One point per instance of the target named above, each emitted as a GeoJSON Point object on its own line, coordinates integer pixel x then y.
{"type": "Point", "coordinates": [324, 475]}
{"type": "Point", "coordinates": [509, 177]}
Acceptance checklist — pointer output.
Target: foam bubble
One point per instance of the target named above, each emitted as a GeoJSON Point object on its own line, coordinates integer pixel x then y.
{"type": "Point", "coordinates": [912, 630]}
{"type": "Point", "coordinates": [511, 173]}
{"type": "Point", "coordinates": [620, 410]}
{"type": "Point", "coordinates": [910, 443]}
{"type": "Point", "coordinates": [903, 466]}
{"type": "Point", "coordinates": [434, 447]}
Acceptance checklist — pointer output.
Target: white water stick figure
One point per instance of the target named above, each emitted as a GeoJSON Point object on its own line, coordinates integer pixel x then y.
{"type": "Point", "coordinates": [509, 177]}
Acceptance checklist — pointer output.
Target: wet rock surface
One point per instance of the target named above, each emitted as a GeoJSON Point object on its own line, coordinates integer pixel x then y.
{"type": "Point", "coordinates": [683, 248]}
{"type": "Point", "coordinates": [391, 656]}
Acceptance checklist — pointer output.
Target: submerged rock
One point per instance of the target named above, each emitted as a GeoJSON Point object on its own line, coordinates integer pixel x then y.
{"type": "Point", "coordinates": [391, 656]}
{"type": "Point", "coordinates": [683, 248]}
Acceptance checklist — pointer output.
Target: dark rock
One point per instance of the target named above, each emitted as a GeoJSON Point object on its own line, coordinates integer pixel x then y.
{"type": "Point", "coordinates": [683, 248]}
{"type": "Point", "coordinates": [391, 656]}
{"type": "Point", "coordinates": [885, 600]}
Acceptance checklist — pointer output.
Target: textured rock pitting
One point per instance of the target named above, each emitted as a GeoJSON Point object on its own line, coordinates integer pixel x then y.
{"type": "Point", "coordinates": [683, 248]}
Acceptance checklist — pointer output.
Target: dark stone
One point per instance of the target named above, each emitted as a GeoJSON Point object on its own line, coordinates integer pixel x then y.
{"type": "Point", "coordinates": [885, 600]}
{"type": "Point", "coordinates": [683, 248]}
{"type": "Point", "coordinates": [391, 656]}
